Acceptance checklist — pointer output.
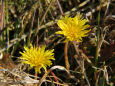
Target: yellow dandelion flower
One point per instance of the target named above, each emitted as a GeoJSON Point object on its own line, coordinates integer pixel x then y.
{"type": "Point", "coordinates": [73, 28]}
{"type": "Point", "coordinates": [37, 57]}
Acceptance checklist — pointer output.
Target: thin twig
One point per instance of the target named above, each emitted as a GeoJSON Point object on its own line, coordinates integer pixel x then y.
{"type": "Point", "coordinates": [55, 78]}
{"type": "Point", "coordinates": [44, 76]}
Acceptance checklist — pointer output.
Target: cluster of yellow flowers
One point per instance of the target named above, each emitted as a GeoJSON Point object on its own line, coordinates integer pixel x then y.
{"type": "Point", "coordinates": [72, 28]}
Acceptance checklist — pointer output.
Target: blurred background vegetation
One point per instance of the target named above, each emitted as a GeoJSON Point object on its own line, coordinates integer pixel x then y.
{"type": "Point", "coordinates": [34, 21]}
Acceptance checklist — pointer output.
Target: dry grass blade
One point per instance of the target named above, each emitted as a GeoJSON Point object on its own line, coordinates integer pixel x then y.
{"type": "Point", "coordinates": [22, 78]}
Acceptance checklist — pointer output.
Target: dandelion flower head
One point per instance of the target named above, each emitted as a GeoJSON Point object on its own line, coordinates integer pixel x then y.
{"type": "Point", "coordinates": [73, 28]}
{"type": "Point", "coordinates": [37, 57]}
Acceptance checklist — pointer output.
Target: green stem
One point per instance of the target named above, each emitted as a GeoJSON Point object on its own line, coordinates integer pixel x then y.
{"type": "Point", "coordinates": [98, 36]}
{"type": "Point", "coordinates": [32, 23]}
{"type": "Point", "coordinates": [7, 31]}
